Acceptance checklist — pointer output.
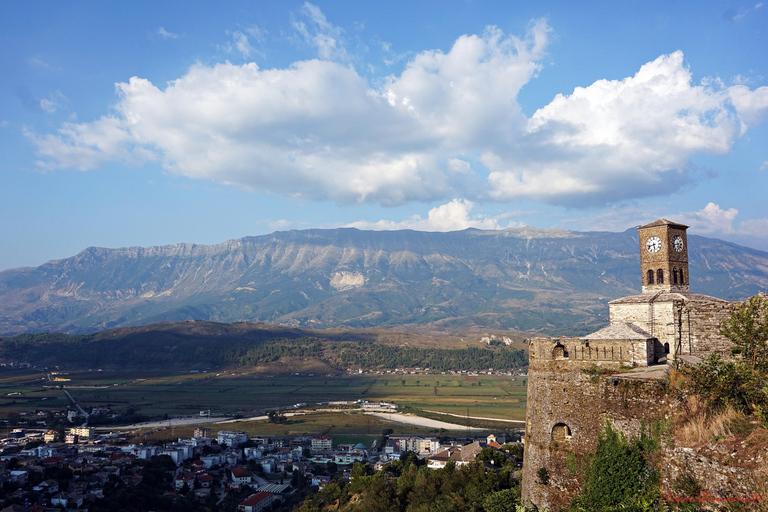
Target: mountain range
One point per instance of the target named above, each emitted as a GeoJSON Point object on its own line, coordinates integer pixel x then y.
{"type": "Point", "coordinates": [527, 279]}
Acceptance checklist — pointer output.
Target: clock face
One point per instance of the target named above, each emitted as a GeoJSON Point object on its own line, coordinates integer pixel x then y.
{"type": "Point", "coordinates": [653, 244]}
{"type": "Point", "coordinates": [677, 243]}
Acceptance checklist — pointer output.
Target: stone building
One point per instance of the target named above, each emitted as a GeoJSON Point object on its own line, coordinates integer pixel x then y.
{"type": "Point", "coordinates": [568, 402]}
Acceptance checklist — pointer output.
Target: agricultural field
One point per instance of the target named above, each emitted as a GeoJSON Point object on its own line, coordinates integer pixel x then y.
{"type": "Point", "coordinates": [345, 426]}
{"type": "Point", "coordinates": [156, 395]}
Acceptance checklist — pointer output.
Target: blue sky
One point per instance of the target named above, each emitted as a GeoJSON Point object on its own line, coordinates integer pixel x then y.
{"type": "Point", "coordinates": [152, 123]}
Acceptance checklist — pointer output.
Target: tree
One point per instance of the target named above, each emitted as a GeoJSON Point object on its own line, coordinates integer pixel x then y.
{"type": "Point", "coordinates": [506, 500]}
{"type": "Point", "coordinates": [747, 328]}
{"type": "Point", "coordinates": [277, 417]}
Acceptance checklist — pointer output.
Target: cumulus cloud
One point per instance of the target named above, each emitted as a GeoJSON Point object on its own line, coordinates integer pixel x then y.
{"type": "Point", "coordinates": [453, 216]}
{"type": "Point", "coordinates": [448, 125]}
{"type": "Point", "coordinates": [317, 129]}
{"type": "Point", "coordinates": [751, 106]}
{"type": "Point", "coordinates": [712, 220]}
{"type": "Point", "coordinates": [627, 138]}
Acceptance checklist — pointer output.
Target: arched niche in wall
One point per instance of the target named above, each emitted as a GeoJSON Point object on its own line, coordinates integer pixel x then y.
{"type": "Point", "coordinates": [561, 432]}
{"type": "Point", "coordinates": [559, 352]}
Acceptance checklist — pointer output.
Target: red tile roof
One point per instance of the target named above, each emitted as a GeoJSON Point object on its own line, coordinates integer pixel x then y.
{"type": "Point", "coordinates": [240, 472]}
{"type": "Point", "coordinates": [255, 498]}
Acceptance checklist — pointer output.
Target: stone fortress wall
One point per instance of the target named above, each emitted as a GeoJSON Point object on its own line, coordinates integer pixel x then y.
{"type": "Point", "coordinates": [571, 408]}
{"type": "Point", "coordinates": [568, 407]}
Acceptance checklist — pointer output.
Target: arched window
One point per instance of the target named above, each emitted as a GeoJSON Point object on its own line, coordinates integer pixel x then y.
{"type": "Point", "coordinates": [558, 351]}
{"type": "Point", "coordinates": [682, 281]}
{"type": "Point", "coordinates": [674, 275]}
{"type": "Point", "coordinates": [561, 432]}
{"type": "Point", "coordinates": [666, 348]}
{"type": "Point", "coordinates": [660, 276]}
{"type": "Point", "coordinates": [650, 277]}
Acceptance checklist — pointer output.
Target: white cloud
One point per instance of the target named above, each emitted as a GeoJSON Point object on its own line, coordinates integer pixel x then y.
{"type": "Point", "coordinates": [453, 216]}
{"type": "Point", "coordinates": [241, 41]}
{"type": "Point", "coordinates": [712, 220]}
{"type": "Point", "coordinates": [751, 106]}
{"type": "Point", "coordinates": [281, 225]}
{"type": "Point", "coordinates": [317, 129]}
{"type": "Point", "coordinates": [317, 31]}
{"type": "Point", "coordinates": [41, 64]}
{"type": "Point", "coordinates": [53, 102]}
{"type": "Point", "coordinates": [165, 34]}
{"type": "Point", "coordinates": [624, 138]}
{"type": "Point", "coordinates": [85, 146]}
{"type": "Point", "coordinates": [241, 44]}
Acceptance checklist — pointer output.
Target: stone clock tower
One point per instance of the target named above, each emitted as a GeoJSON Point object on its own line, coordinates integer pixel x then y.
{"type": "Point", "coordinates": [664, 257]}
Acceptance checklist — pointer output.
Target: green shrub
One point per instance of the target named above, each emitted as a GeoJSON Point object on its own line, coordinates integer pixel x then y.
{"type": "Point", "coordinates": [618, 475]}
{"type": "Point", "coordinates": [543, 475]}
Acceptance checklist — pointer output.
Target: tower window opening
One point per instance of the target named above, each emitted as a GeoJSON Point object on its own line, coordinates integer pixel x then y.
{"type": "Point", "coordinates": [650, 277]}
{"type": "Point", "coordinates": [666, 348]}
{"type": "Point", "coordinates": [558, 351]}
{"type": "Point", "coordinates": [682, 281]}
{"type": "Point", "coordinates": [674, 275]}
{"type": "Point", "coordinates": [660, 276]}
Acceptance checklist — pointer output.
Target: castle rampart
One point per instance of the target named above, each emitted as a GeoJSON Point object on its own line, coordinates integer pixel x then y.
{"type": "Point", "coordinates": [569, 398]}
{"type": "Point", "coordinates": [567, 409]}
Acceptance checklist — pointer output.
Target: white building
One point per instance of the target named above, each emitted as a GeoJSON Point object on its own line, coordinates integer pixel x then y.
{"type": "Point", "coordinates": [231, 438]}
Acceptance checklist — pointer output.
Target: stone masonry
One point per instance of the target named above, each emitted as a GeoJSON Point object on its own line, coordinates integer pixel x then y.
{"type": "Point", "coordinates": [568, 406]}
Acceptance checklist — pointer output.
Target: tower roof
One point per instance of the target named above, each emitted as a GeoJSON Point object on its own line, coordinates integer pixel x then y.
{"type": "Point", "coordinates": [664, 222]}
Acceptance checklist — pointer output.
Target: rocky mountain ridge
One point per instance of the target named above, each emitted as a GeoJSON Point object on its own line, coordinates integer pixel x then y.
{"type": "Point", "coordinates": [524, 279]}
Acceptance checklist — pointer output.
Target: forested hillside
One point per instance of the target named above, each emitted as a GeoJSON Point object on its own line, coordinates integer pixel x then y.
{"type": "Point", "coordinates": [204, 345]}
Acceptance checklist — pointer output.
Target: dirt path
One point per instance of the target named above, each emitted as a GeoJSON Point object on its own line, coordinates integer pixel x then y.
{"type": "Point", "coordinates": [418, 421]}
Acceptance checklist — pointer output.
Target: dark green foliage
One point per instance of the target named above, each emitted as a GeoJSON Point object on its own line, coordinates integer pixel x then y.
{"type": "Point", "coordinates": [382, 356]}
{"type": "Point", "coordinates": [724, 383]}
{"type": "Point", "coordinates": [516, 450]}
{"type": "Point", "coordinates": [408, 486]}
{"type": "Point", "coordinates": [747, 328]}
{"type": "Point", "coordinates": [743, 383]}
{"type": "Point", "coordinates": [149, 494]}
{"type": "Point", "coordinates": [495, 457]}
{"type": "Point", "coordinates": [619, 475]}
{"type": "Point", "coordinates": [277, 417]}
{"type": "Point", "coordinates": [543, 476]}
{"type": "Point", "coordinates": [163, 348]}
{"type": "Point", "coordinates": [505, 500]}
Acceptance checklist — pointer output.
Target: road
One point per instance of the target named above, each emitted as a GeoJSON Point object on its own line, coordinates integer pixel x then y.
{"type": "Point", "coordinates": [74, 402]}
